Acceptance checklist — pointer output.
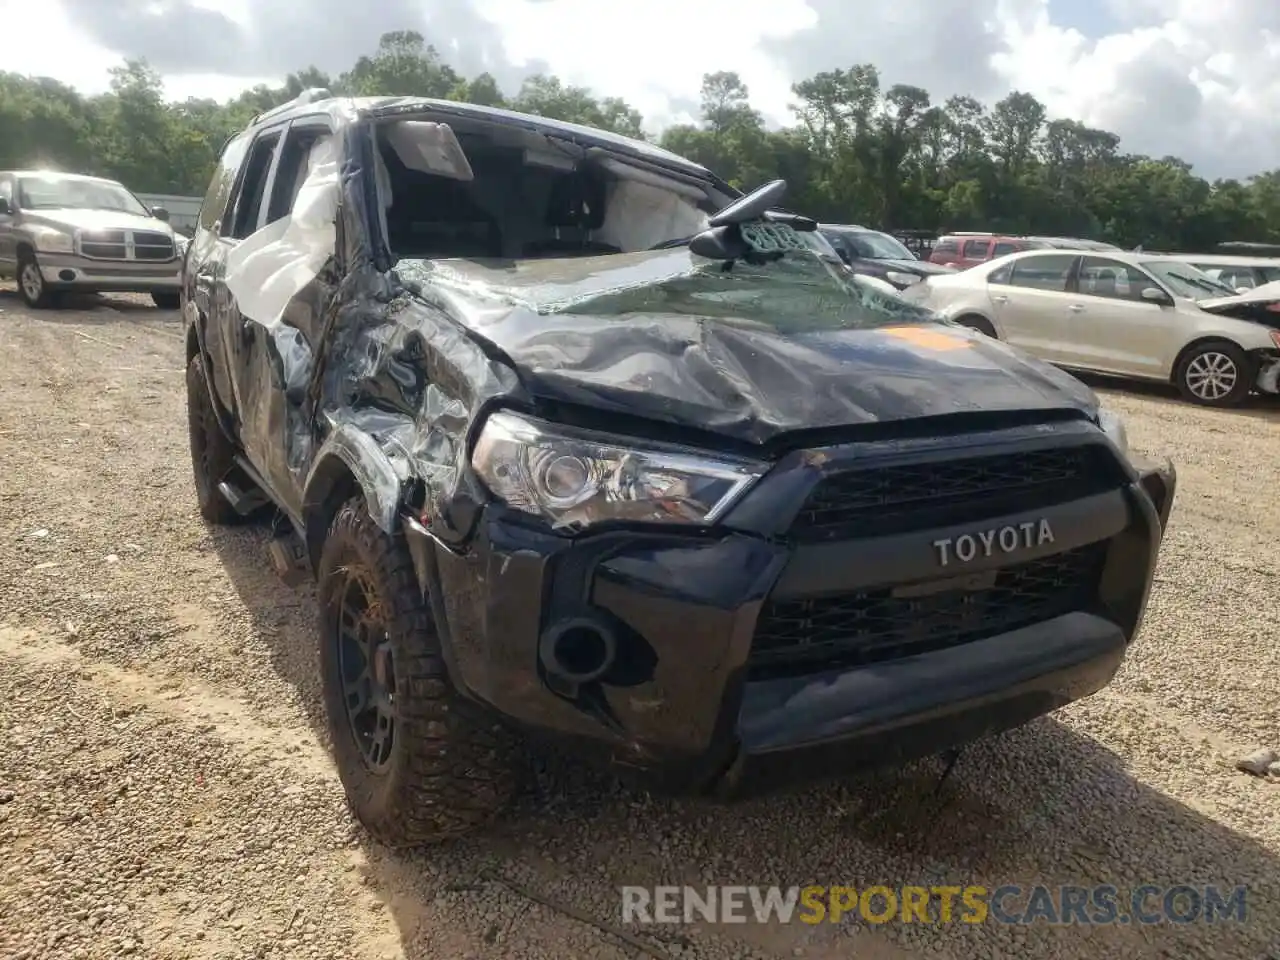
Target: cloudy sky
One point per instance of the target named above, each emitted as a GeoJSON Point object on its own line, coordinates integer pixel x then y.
{"type": "Point", "coordinates": [1196, 78]}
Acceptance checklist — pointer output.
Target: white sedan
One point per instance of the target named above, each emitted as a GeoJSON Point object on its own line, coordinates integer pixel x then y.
{"type": "Point", "coordinates": [1123, 314]}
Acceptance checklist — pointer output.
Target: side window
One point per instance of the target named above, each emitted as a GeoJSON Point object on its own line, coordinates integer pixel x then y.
{"type": "Point", "coordinates": [253, 183]}
{"type": "Point", "coordinates": [214, 207]}
{"type": "Point", "coordinates": [1236, 277]}
{"type": "Point", "coordinates": [838, 244]}
{"type": "Point", "coordinates": [1003, 248]}
{"type": "Point", "coordinates": [946, 246]}
{"type": "Point", "coordinates": [1100, 277]}
{"type": "Point", "coordinates": [292, 169]}
{"type": "Point", "coordinates": [1002, 276]}
{"type": "Point", "coordinates": [1269, 274]}
{"type": "Point", "coordinates": [976, 249]}
{"type": "Point", "coordinates": [6, 190]}
{"type": "Point", "coordinates": [1048, 272]}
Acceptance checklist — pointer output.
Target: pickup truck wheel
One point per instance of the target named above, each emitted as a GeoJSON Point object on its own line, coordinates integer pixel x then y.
{"type": "Point", "coordinates": [212, 454]}
{"type": "Point", "coordinates": [31, 286]}
{"type": "Point", "coordinates": [1215, 374]}
{"type": "Point", "coordinates": [418, 762]}
{"type": "Point", "coordinates": [166, 300]}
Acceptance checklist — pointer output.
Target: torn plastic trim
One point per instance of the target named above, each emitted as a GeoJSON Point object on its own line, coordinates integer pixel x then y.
{"type": "Point", "coordinates": [379, 477]}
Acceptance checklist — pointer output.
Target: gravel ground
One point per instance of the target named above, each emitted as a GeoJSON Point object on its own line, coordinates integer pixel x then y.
{"type": "Point", "coordinates": [166, 790]}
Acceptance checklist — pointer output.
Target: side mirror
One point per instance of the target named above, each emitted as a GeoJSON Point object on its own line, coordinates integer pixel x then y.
{"type": "Point", "coordinates": [160, 213]}
{"type": "Point", "coordinates": [1155, 295]}
{"type": "Point", "coordinates": [4, 207]}
{"type": "Point", "coordinates": [718, 243]}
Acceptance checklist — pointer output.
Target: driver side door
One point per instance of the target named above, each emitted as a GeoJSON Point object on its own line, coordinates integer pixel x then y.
{"type": "Point", "coordinates": [8, 230]}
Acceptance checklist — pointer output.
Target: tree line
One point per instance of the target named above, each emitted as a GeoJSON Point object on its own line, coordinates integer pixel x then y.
{"type": "Point", "coordinates": [858, 152]}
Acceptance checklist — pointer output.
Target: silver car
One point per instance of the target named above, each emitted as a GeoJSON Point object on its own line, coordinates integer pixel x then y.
{"type": "Point", "coordinates": [63, 232]}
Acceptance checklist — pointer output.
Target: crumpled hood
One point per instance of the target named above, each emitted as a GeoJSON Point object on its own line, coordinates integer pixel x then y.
{"type": "Point", "coordinates": [70, 219]}
{"type": "Point", "coordinates": [1266, 293]}
{"type": "Point", "coordinates": [748, 354]}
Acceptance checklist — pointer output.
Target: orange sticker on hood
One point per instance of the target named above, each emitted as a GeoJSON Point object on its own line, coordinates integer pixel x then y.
{"type": "Point", "coordinates": [928, 339]}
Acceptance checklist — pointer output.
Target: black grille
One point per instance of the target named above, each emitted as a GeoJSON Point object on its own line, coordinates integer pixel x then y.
{"type": "Point", "coordinates": [872, 626]}
{"type": "Point", "coordinates": [152, 246]}
{"type": "Point", "coordinates": [916, 496]}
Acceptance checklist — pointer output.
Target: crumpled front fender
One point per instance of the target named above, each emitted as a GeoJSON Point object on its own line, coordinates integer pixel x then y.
{"type": "Point", "coordinates": [349, 452]}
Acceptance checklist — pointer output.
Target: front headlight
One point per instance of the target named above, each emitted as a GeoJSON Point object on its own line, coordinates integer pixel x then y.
{"type": "Point", "coordinates": [905, 279]}
{"type": "Point", "coordinates": [1113, 427]}
{"type": "Point", "coordinates": [51, 240]}
{"type": "Point", "coordinates": [573, 479]}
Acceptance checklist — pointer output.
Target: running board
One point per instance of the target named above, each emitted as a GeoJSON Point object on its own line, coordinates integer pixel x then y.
{"type": "Point", "coordinates": [289, 559]}
{"type": "Point", "coordinates": [243, 502]}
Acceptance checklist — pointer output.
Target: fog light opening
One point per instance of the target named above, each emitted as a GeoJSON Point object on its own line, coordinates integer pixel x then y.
{"type": "Point", "coordinates": [579, 650]}
{"type": "Point", "coordinates": [67, 275]}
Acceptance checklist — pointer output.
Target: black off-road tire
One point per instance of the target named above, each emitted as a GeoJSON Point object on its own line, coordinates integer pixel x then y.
{"type": "Point", "coordinates": [166, 300]}
{"type": "Point", "coordinates": [1245, 371]}
{"type": "Point", "coordinates": [981, 324]}
{"type": "Point", "coordinates": [45, 298]}
{"type": "Point", "coordinates": [451, 769]}
{"type": "Point", "coordinates": [212, 454]}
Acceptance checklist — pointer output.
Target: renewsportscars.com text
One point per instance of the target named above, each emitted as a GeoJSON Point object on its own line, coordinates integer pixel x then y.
{"type": "Point", "coordinates": [1011, 904]}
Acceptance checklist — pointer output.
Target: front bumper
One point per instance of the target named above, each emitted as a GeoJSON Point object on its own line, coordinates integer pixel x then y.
{"type": "Point", "coordinates": [72, 272]}
{"type": "Point", "coordinates": [682, 703]}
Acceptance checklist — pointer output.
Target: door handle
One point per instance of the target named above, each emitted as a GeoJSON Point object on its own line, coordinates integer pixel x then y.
{"type": "Point", "coordinates": [1000, 298]}
{"type": "Point", "coordinates": [1076, 308]}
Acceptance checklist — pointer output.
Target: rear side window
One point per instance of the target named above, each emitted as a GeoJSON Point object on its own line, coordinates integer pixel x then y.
{"type": "Point", "coordinates": [1004, 247]}
{"type": "Point", "coordinates": [1269, 274]}
{"type": "Point", "coordinates": [248, 200]}
{"type": "Point", "coordinates": [976, 249]}
{"type": "Point", "coordinates": [1048, 272]}
{"type": "Point", "coordinates": [946, 246]}
{"type": "Point", "coordinates": [214, 207]}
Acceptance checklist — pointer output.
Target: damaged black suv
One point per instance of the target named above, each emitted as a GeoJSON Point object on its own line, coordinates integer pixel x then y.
{"type": "Point", "coordinates": [583, 446]}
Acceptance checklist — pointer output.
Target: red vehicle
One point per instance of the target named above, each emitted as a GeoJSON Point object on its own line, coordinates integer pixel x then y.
{"type": "Point", "coordinates": [962, 250]}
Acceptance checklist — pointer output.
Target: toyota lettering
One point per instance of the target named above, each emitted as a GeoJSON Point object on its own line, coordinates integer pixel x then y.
{"type": "Point", "coordinates": [1008, 539]}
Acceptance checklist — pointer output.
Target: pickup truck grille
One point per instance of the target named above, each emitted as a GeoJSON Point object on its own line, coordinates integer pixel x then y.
{"type": "Point", "coordinates": [915, 496]}
{"type": "Point", "coordinates": [127, 245]}
{"type": "Point", "coordinates": [873, 626]}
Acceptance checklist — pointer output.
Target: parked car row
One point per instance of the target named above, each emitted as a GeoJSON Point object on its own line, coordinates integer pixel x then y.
{"type": "Point", "coordinates": [1129, 314]}
{"type": "Point", "coordinates": [963, 250]}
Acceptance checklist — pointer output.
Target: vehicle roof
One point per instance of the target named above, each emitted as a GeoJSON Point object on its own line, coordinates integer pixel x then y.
{"type": "Point", "coordinates": [980, 236]}
{"type": "Point", "coordinates": [58, 175]}
{"type": "Point", "coordinates": [390, 106]}
{"type": "Point", "coordinates": [849, 228]}
{"type": "Point", "coordinates": [1224, 258]}
{"type": "Point", "coordinates": [1121, 256]}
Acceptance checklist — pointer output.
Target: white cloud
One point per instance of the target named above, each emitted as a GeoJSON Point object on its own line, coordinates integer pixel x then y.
{"type": "Point", "coordinates": [1183, 77]}
{"type": "Point", "coordinates": [658, 53]}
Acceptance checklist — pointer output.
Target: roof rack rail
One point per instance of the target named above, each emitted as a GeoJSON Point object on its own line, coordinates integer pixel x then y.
{"type": "Point", "coordinates": [310, 95]}
{"type": "Point", "coordinates": [971, 233]}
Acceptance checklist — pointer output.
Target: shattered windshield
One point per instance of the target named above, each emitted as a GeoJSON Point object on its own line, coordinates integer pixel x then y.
{"type": "Point", "coordinates": [805, 291]}
{"type": "Point", "coordinates": [73, 193]}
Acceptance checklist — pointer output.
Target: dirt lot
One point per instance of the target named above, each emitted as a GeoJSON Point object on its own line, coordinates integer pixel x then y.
{"type": "Point", "coordinates": [165, 788]}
